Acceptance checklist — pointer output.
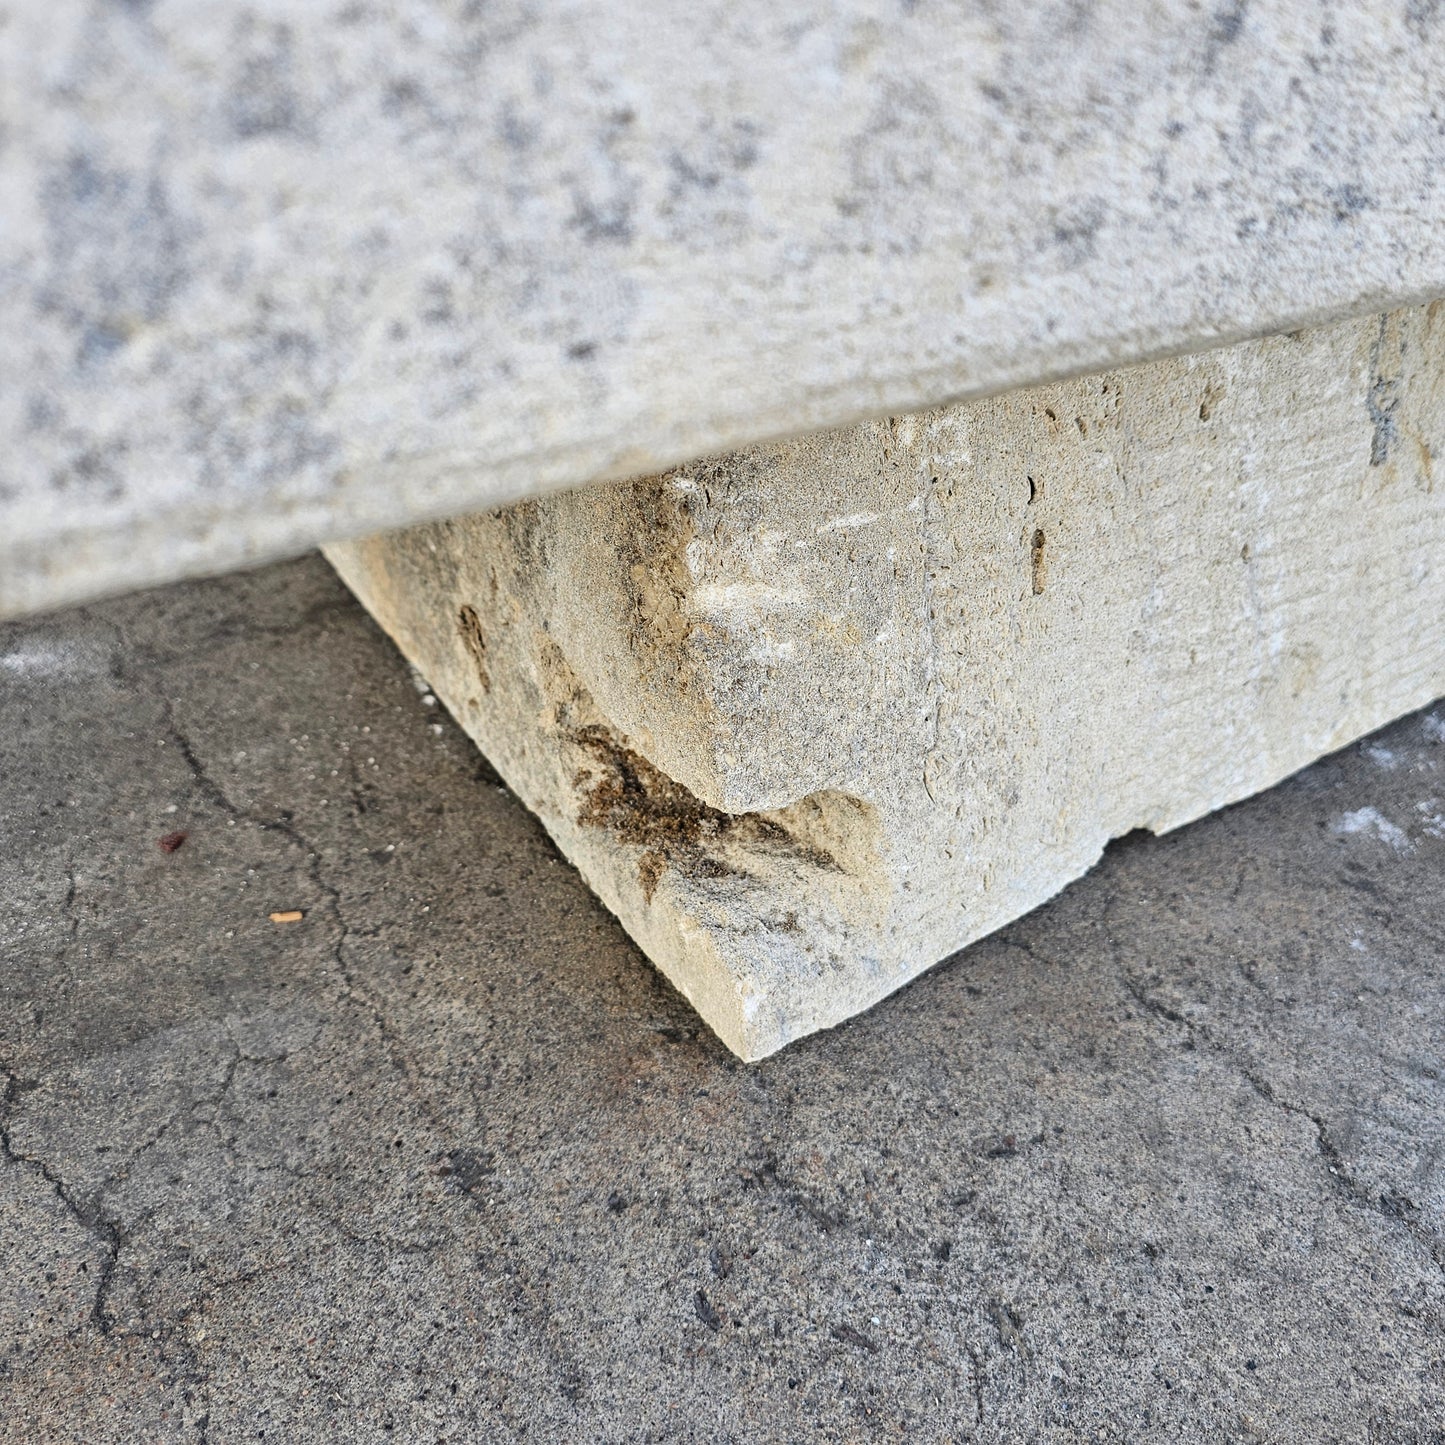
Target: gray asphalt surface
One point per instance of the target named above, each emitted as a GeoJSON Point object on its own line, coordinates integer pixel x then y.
{"type": "Point", "coordinates": [446, 1160]}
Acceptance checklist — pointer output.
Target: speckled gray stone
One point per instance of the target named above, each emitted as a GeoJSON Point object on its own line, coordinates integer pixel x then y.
{"type": "Point", "coordinates": [274, 274]}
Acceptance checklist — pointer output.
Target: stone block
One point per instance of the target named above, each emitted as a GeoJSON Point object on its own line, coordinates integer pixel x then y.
{"type": "Point", "coordinates": [278, 274]}
{"type": "Point", "coordinates": [812, 716]}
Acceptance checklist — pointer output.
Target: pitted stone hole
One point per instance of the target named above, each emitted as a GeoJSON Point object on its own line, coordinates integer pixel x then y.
{"type": "Point", "coordinates": [1213, 395]}
{"type": "Point", "coordinates": [469, 625]}
{"type": "Point", "coordinates": [1038, 563]}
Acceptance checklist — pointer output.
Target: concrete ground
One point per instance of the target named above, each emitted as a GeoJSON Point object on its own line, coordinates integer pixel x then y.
{"type": "Point", "coordinates": [446, 1160]}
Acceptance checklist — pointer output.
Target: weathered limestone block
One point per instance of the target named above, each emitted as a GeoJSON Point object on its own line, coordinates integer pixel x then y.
{"type": "Point", "coordinates": [274, 274]}
{"type": "Point", "coordinates": [813, 716]}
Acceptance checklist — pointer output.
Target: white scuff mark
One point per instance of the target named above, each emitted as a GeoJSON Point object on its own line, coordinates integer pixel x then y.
{"type": "Point", "coordinates": [846, 524]}
{"type": "Point", "coordinates": [1434, 818]}
{"type": "Point", "coordinates": [1358, 944]}
{"type": "Point", "coordinates": [683, 484]}
{"type": "Point", "coordinates": [736, 599]}
{"type": "Point", "coordinates": [44, 660]}
{"type": "Point", "coordinates": [1374, 823]}
{"type": "Point", "coordinates": [1382, 757]}
{"type": "Point", "coordinates": [694, 557]}
{"type": "Point", "coordinates": [1433, 726]}
{"type": "Point", "coordinates": [768, 649]}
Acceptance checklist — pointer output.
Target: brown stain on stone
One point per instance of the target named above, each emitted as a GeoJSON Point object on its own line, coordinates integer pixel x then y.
{"type": "Point", "coordinates": [619, 790]}
{"type": "Point", "coordinates": [650, 868]}
{"type": "Point", "coordinates": [639, 804]}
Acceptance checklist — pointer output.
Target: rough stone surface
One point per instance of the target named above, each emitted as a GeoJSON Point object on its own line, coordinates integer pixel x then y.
{"type": "Point", "coordinates": [448, 1160]}
{"type": "Point", "coordinates": [277, 273]}
{"type": "Point", "coordinates": [813, 716]}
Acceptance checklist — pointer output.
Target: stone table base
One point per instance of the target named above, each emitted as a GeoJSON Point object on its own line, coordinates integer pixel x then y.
{"type": "Point", "coordinates": [811, 717]}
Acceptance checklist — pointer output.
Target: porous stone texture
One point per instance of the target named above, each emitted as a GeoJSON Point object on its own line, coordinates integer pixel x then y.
{"type": "Point", "coordinates": [449, 1161]}
{"type": "Point", "coordinates": [277, 273]}
{"type": "Point", "coordinates": [811, 717]}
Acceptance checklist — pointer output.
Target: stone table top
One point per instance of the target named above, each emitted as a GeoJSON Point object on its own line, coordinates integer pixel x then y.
{"type": "Point", "coordinates": [271, 275]}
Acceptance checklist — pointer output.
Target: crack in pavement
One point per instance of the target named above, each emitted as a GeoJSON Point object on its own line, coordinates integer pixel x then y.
{"type": "Point", "coordinates": [1327, 1150]}
{"type": "Point", "coordinates": [284, 826]}
{"type": "Point", "coordinates": [1339, 1173]}
{"type": "Point", "coordinates": [212, 1100]}
{"type": "Point", "coordinates": [111, 1233]}
{"type": "Point", "coordinates": [976, 1370]}
{"type": "Point", "coordinates": [114, 1237]}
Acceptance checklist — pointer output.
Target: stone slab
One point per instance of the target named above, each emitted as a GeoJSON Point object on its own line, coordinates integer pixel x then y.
{"type": "Point", "coordinates": [276, 274]}
{"type": "Point", "coordinates": [813, 716]}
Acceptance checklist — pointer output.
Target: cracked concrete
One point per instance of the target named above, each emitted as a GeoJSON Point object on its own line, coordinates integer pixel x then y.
{"type": "Point", "coordinates": [447, 1160]}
